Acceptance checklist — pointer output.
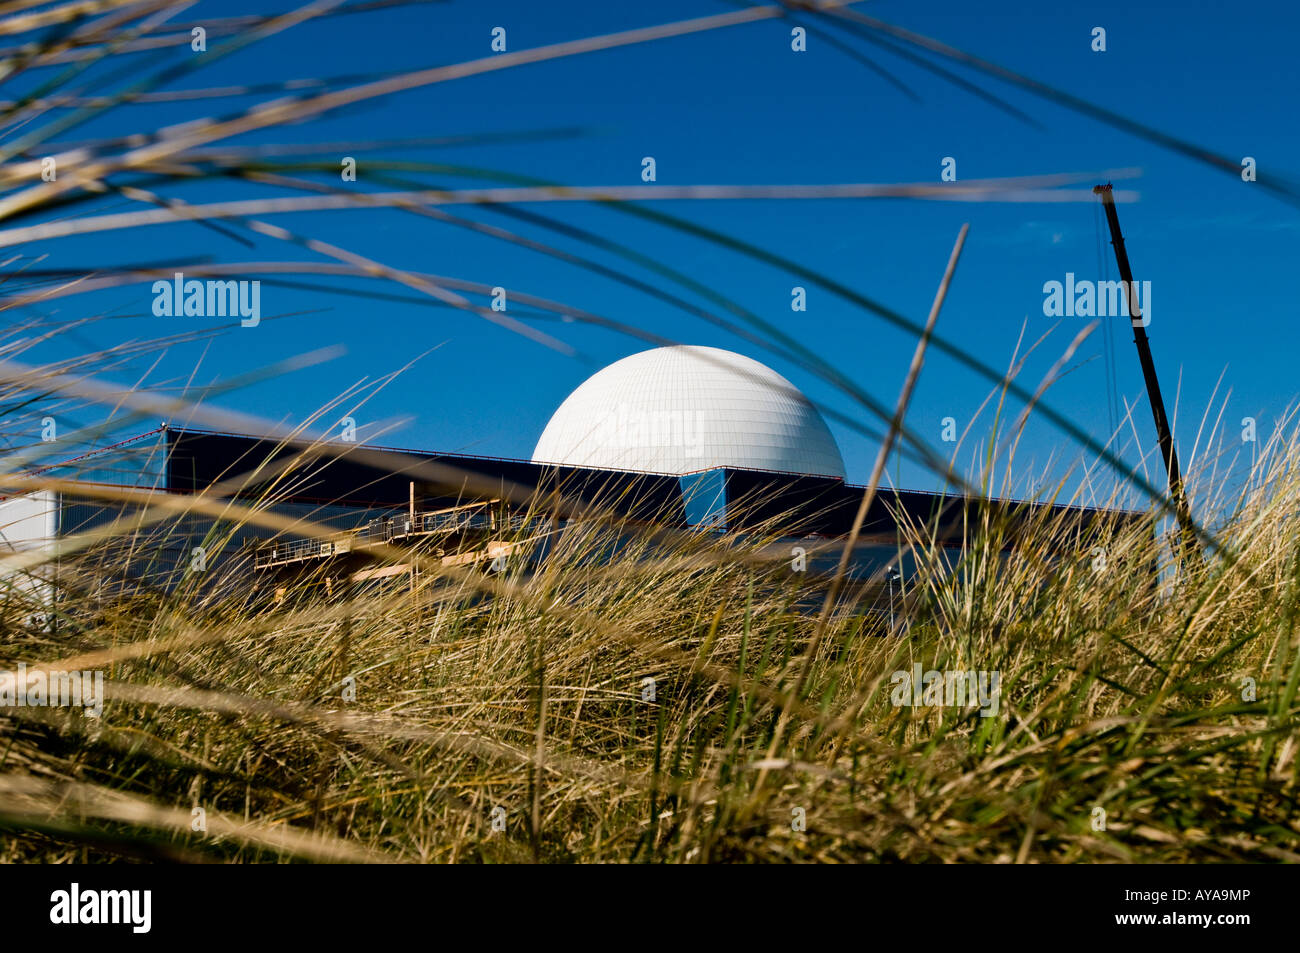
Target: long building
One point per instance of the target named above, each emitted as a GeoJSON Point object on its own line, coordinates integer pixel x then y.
{"type": "Point", "coordinates": [672, 439]}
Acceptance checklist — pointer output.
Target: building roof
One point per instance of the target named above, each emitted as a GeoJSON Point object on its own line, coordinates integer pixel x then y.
{"type": "Point", "coordinates": [683, 409]}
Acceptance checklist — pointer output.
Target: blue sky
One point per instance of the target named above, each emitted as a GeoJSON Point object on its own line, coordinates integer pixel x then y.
{"type": "Point", "coordinates": [738, 106]}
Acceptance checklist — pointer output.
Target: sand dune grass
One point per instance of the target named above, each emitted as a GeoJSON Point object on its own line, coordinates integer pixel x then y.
{"type": "Point", "coordinates": [619, 704]}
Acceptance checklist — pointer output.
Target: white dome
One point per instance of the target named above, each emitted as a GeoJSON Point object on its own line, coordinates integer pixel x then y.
{"type": "Point", "coordinates": [682, 409]}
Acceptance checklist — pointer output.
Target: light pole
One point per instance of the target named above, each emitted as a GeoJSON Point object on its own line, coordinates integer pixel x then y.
{"type": "Point", "coordinates": [1189, 544]}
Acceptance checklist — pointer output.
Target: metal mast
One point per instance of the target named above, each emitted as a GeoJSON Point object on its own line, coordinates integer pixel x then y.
{"type": "Point", "coordinates": [1167, 450]}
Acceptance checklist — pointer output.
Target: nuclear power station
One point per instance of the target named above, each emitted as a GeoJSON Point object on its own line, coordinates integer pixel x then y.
{"type": "Point", "coordinates": [673, 439]}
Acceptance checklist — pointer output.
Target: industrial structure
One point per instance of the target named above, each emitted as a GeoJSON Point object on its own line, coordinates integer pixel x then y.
{"type": "Point", "coordinates": [673, 439]}
{"type": "Point", "coordinates": [685, 409]}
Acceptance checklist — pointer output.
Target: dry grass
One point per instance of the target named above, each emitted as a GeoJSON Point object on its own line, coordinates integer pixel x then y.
{"type": "Point", "coordinates": [528, 692]}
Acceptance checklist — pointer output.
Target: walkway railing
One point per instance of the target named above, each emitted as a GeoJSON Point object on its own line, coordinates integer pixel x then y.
{"type": "Point", "coordinates": [384, 530]}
